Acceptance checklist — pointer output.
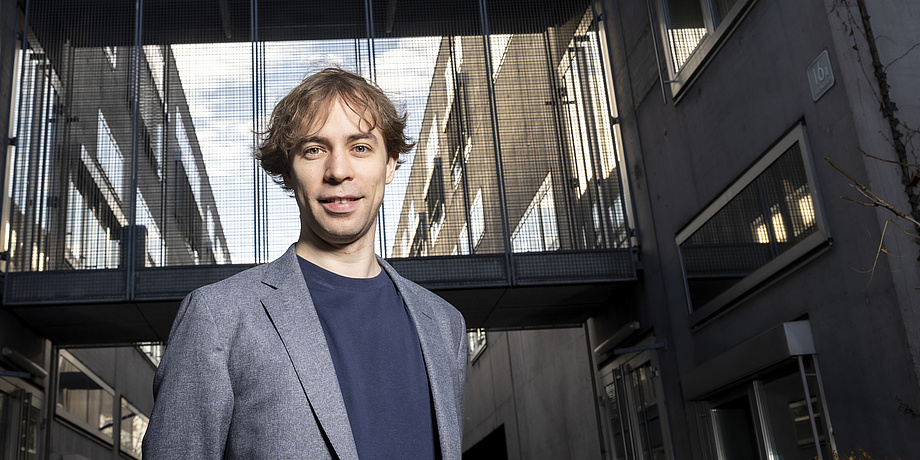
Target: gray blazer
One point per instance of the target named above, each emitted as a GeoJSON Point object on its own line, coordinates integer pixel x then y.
{"type": "Point", "coordinates": [247, 373]}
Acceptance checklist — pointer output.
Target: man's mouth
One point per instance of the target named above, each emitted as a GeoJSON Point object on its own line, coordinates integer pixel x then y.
{"type": "Point", "coordinates": [339, 200]}
{"type": "Point", "coordinates": [340, 205]}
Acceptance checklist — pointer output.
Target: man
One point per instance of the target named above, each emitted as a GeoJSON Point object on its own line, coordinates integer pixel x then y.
{"type": "Point", "coordinates": [326, 352]}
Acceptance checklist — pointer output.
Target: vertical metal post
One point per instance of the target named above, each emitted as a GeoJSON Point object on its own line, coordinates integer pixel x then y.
{"type": "Point", "coordinates": [134, 81]}
{"type": "Point", "coordinates": [653, 31]}
{"type": "Point", "coordinates": [259, 233]}
{"type": "Point", "coordinates": [24, 42]}
{"type": "Point", "coordinates": [496, 139]}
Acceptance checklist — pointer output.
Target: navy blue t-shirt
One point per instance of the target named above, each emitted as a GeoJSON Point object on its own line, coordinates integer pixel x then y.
{"type": "Point", "coordinates": [378, 362]}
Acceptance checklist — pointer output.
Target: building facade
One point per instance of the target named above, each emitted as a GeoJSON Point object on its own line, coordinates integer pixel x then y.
{"type": "Point", "coordinates": [773, 318]}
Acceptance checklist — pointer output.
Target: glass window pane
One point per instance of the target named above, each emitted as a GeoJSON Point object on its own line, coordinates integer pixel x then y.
{"type": "Point", "coordinates": [645, 383]}
{"type": "Point", "coordinates": [768, 217]}
{"type": "Point", "coordinates": [790, 422]}
{"type": "Point", "coordinates": [619, 425]}
{"type": "Point", "coordinates": [84, 399]}
{"type": "Point", "coordinates": [734, 429]}
{"type": "Point", "coordinates": [685, 29]}
{"type": "Point", "coordinates": [720, 9]}
{"type": "Point", "coordinates": [133, 427]}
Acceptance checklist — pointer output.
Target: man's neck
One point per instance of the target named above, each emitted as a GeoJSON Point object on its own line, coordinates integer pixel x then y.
{"type": "Point", "coordinates": [350, 261]}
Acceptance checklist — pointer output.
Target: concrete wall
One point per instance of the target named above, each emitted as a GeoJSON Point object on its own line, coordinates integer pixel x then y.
{"type": "Point", "coordinates": [538, 384]}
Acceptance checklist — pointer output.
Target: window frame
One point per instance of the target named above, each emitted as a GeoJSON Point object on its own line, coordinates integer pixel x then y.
{"type": "Point", "coordinates": [122, 418]}
{"type": "Point", "coordinates": [619, 372]}
{"type": "Point", "coordinates": [680, 79]}
{"type": "Point", "coordinates": [62, 413]}
{"type": "Point", "coordinates": [790, 259]}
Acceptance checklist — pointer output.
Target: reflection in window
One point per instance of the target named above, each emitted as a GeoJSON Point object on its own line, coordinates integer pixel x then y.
{"type": "Point", "coordinates": [187, 156]}
{"type": "Point", "coordinates": [88, 244]}
{"type": "Point", "coordinates": [499, 44]}
{"type": "Point", "coordinates": [685, 29]}
{"type": "Point", "coordinates": [133, 427]}
{"type": "Point", "coordinates": [688, 22]}
{"type": "Point", "coordinates": [111, 55]}
{"type": "Point", "coordinates": [464, 245]}
{"type": "Point", "coordinates": [634, 413]}
{"type": "Point", "coordinates": [769, 216]}
{"type": "Point", "coordinates": [109, 156]}
{"type": "Point", "coordinates": [435, 200]}
{"type": "Point", "coordinates": [537, 230]}
{"type": "Point", "coordinates": [477, 219]}
{"type": "Point", "coordinates": [84, 398]}
{"type": "Point", "coordinates": [154, 240]}
{"type": "Point", "coordinates": [771, 416]}
{"type": "Point", "coordinates": [153, 352]}
{"type": "Point", "coordinates": [476, 343]}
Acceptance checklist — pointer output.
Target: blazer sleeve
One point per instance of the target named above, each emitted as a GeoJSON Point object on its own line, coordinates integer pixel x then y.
{"type": "Point", "coordinates": [193, 398]}
{"type": "Point", "coordinates": [462, 350]}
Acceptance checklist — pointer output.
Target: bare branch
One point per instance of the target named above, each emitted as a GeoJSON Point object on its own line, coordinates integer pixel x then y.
{"type": "Point", "coordinates": [886, 160]}
{"type": "Point", "coordinates": [876, 200]}
{"type": "Point", "coordinates": [901, 56]}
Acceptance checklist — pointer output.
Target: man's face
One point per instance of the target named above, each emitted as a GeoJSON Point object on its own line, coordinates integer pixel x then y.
{"type": "Point", "coordinates": [338, 176]}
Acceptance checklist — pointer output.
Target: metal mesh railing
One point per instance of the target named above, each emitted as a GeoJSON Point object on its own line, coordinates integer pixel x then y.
{"type": "Point", "coordinates": [135, 131]}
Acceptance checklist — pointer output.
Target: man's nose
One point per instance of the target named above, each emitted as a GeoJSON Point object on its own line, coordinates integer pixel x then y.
{"type": "Point", "coordinates": [338, 167]}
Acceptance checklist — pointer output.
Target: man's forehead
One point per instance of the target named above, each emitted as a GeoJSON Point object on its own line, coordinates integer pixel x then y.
{"type": "Point", "coordinates": [309, 126]}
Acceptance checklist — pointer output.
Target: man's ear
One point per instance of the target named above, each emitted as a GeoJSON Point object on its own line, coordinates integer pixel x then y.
{"type": "Point", "coordinates": [392, 163]}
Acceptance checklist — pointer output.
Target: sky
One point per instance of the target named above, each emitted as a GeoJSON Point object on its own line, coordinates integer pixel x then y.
{"type": "Point", "coordinates": [218, 82]}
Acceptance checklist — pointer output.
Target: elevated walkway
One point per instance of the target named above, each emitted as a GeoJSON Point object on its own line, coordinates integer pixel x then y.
{"type": "Point", "coordinates": [499, 291]}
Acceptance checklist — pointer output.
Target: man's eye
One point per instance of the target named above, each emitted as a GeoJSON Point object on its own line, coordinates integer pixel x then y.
{"type": "Point", "coordinates": [361, 149]}
{"type": "Point", "coordinates": [311, 151]}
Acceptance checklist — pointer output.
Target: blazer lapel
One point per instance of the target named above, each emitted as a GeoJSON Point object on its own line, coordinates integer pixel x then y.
{"type": "Point", "coordinates": [438, 361]}
{"type": "Point", "coordinates": [290, 308]}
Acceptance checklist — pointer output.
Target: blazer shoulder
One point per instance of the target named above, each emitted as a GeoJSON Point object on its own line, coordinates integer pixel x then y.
{"type": "Point", "coordinates": [438, 305]}
{"type": "Point", "coordinates": [239, 284]}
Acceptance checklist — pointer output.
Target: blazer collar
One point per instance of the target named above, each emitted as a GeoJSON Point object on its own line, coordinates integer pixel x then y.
{"type": "Point", "coordinates": [291, 310]}
{"type": "Point", "coordinates": [438, 355]}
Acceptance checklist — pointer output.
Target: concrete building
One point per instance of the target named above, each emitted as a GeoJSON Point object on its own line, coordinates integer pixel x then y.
{"type": "Point", "coordinates": [773, 318]}
{"type": "Point", "coordinates": [98, 186]}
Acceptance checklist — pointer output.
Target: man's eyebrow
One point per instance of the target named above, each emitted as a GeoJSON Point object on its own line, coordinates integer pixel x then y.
{"type": "Point", "coordinates": [313, 139]}
{"type": "Point", "coordinates": [316, 139]}
{"type": "Point", "coordinates": [369, 135]}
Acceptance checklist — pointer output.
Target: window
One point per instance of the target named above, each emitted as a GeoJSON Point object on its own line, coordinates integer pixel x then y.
{"type": "Point", "coordinates": [153, 238]}
{"type": "Point", "coordinates": [763, 398]}
{"type": "Point", "coordinates": [477, 220]}
{"type": "Point", "coordinates": [476, 341]}
{"type": "Point", "coordinates": [153, 352]}
{"type": "Point", "coordinates": [111, 55]}
{"type": "Point", "coordinates": [635, 413]}
{"type": "Point", "coordinates": [537, 230]}
{"type": "Point", "coordinates": [776, 414]}
{"type": "Point", "coordinates": [110, 157]}
{"type": "Point", "coordinates": [133, 427]}
{"type": "Point", "coordinates": [20, 427]}
{"type": "Point", "coordinates": [691, 29]}
{"type": "Point", "coordinates": [88, 243]}
{"type": "Point", "coordinates": [765, 221]}
{"type": "Point", "coordinates": [435, 200]}
{"type": "Point", "coordinates": [83, 398]}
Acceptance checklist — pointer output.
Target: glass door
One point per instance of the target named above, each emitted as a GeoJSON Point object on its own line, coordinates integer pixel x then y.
{"type": "Point", "coordinates": [635, 426]}
{"type": "Point", "coordinates": [19, 422]}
